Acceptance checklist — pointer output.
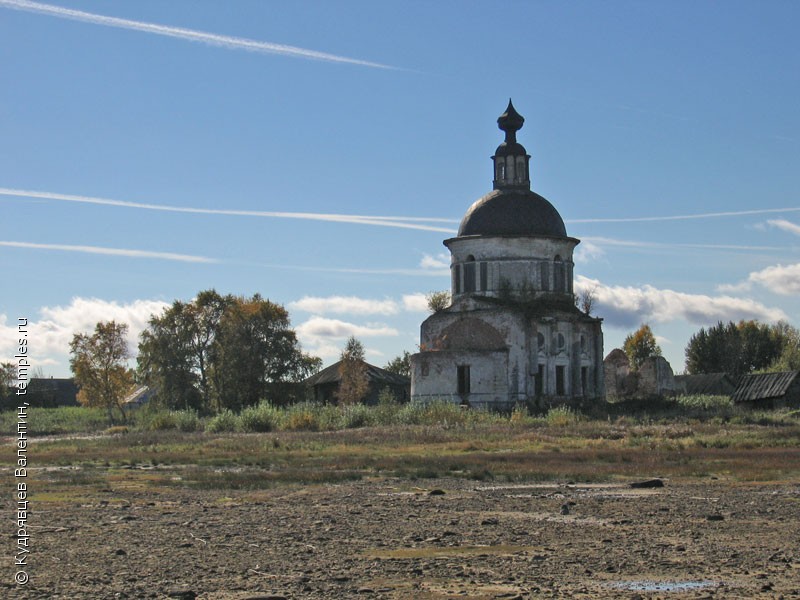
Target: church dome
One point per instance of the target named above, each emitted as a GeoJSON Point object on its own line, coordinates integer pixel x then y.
{"type": "Point", "coordinates": [512, 212]}
{"type": "Point", "coordinates": [512, 208]}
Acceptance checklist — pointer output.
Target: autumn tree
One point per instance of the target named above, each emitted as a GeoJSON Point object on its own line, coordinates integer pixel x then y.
{"type": "Point", "coordinates": [354, 383]}
{"type": "Point", "coordinates": [98, 364]}
{"type": "Point", "coordinates": [641, 345]}
{"type": "Point", "coordinates": [400, 365]}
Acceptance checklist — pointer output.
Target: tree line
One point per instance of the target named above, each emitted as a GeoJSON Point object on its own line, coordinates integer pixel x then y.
{"type": "Point", "coordinates": [211, 354]}
{"type": "Point", "coordinates": [733, 348]}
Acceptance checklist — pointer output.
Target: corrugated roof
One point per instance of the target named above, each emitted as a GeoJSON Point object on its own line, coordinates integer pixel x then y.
{"type": "Point", "coordinates": [763, 386]}
{"type": "Point", "coordinates": [706, 383]}
{"type": "Point", "coordinates": [375, 374]}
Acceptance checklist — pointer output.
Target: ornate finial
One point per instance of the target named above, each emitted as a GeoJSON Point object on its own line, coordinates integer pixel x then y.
{"type": "Point", "coordinates": [510, 122]}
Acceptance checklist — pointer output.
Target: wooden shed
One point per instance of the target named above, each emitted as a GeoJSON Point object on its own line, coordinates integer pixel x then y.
{"type": "Point", "coordinates": [768, 390]}
{"type": "Point", "coordinates": [325, 384]}
{"type": "Point", "coordinates": [712, 384]}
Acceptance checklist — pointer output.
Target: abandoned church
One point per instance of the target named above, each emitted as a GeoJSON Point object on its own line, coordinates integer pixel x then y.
{"type": "Point", "coordinates": [512, 333]}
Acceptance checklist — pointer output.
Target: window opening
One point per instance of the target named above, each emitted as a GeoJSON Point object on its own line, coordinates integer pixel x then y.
{"type": "Point", "coordinates": [463, 379]}
{"type": "Point", "coordinates": [560, 283]}
{"type": "Point", "coordinates": [539, 385]}
{"type": "Point", "coordinates": [545, 272]}
{"type": "Point", "coordinates": [469, 274]}
{"type": "Point", "coordinates": [584, 380]}
{"type": "Point", "coordinates": [560, 381]}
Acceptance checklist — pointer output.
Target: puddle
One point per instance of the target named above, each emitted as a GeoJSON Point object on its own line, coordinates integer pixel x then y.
{"type": "Point", "coordinates": [663, 586]}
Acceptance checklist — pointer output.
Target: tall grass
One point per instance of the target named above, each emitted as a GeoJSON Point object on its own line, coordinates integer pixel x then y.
{"type": "Point", "coordinates": [308, 416]}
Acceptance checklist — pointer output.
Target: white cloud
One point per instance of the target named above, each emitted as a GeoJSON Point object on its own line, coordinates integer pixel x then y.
{"type": "Point", "coordinates": [779, 279]}
{"type": "Point", "coordinates": [627, 306]}
{"type": "Point", "coordinates": [111, 251]}
{"type": "Point", "coordinates": [379, 221]}
{"type": "Point", "coordinates": [325, 337]}
{"type": "Point", "coordinates": [785, 226]}
{"type": "Point", "coordinates": [588, 251]}
{"type": "Point", "coordinates": [415, 302]}
{"type": "Point", "coordinates": [345, 305]}
{"type": "Point", "coordinates": [354, 305]}
{"type": "Point", "coordinates": [321, 327]}
{"type": "Point", "coordinates": [440, 261]}
{"type": "Point", "coordinates": [213, 39]}
{"type": "Point", "coordinates": [49, 335]}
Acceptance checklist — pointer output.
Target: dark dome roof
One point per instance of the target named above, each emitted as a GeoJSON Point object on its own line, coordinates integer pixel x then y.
{"type": "Point", "coordinates": [512, 212]}
{"type": "Point", "coordinates": [510, 149]}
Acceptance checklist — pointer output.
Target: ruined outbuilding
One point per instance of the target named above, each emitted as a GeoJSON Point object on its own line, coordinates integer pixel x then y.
{"type": "Point", "coordinates": [654, 378]}
{"type": "Point", "coordinates": [512, 333]}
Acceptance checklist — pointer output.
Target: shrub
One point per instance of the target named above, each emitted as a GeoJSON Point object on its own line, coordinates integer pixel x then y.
{"type": "Point", "coordinates": [161, 420]}
{"type": "Point", "coordinates": [187, 420]}
{"type": "Point", "coordinates": [263, 417]}
{"type": "Point", "coordinates": [226, 421]}
{"type": "Point", "coordinates": [302, 417]}
{"type": "Point", "coordinates": [358, 415]}
{"type": "Point", "coordinates": [439, 412]}
{"type": "Point", "coordinates": [562, 416]}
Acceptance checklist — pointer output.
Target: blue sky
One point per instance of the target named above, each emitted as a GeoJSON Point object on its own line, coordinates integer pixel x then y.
{"type": "Point", "coordinates": [150, 150]}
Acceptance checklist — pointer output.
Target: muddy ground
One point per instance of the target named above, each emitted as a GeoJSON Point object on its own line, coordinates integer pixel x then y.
{"type": "Point", "coordinates": [447, 538]}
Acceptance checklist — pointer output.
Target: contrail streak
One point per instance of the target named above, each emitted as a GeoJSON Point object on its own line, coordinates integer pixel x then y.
{"type": "Point", "coordinates": [739, 213]}
{"type": "Point", "coordinates": [212, 39]}
{"type": "Point", "coordinates": [111, 251]}
{"type": "Point", "coordinates": [638, 244]}
{"type": "Point", "coordinates": [337, 218]}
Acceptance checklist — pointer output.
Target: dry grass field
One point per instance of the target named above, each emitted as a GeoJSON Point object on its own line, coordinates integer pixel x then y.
{"type": "Point", "coordinates": [494, 508]}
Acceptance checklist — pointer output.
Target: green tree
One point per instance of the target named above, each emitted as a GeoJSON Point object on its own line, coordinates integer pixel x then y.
{"type": "Point", "coordinates": [258, 355]}
{"type": "Point", "coordinates": [641, 345]}
{"type": "Point", "coordinates": [8, 380]}
{"type": "Point", "coordinates": [734, 348]}
{"type": "Point", "coordinates": [98, 363]}
{"type": "Point", "coordinates": [220, 352]}
{"type": "Point", "coordinates": [354, 383]}
{"type": "Point", "coordinates": [401, 365]}
{"type": "Point", "coordinates": [789, 358]}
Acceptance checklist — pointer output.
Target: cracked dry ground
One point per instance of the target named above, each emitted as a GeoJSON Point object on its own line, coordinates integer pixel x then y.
{"type": "Point", "coordinates": [384, 538]}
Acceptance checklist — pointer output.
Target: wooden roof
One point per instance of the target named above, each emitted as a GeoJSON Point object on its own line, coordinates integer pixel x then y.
{"type": "Point", "coordinates": [764, 386]}
{"type": "Point", "coordinates": [374, 374]}
{"type": "Point", "coordinates": [707, 383]}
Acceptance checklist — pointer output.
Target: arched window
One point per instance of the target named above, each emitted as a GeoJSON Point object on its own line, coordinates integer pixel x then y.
{"type": "Point", "coordinates": [540, 341]}
{"type": "Point", "coordinates": [559, 343]}
{"type": "Point", "coordinates": [545, 273]}
{"type": "Point", "coordinates": [501, 170]}
{"type": "Point", "coordinates": [559, 276]}
{"type": "Point", "coordinates": [521, 169]}
{"type": "Point", "coordinates": [469, 274]}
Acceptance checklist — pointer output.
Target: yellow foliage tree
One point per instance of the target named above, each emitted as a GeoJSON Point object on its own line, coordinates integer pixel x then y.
{"type": "Point", "coordinates": [98, 363]}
